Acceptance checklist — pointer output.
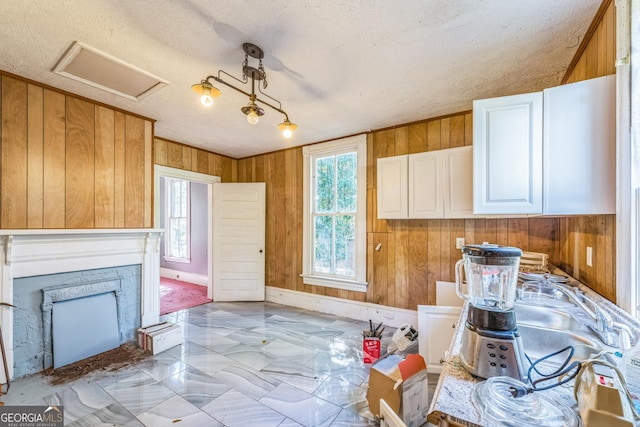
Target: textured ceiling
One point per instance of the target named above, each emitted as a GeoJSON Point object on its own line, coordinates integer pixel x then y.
{"type": "Point", "coordinates": [339, 67]}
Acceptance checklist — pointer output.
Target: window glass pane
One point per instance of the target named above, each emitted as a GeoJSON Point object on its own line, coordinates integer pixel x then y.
{"type": "Point", "coordinates": [347, 182]}
{"type": "Point", "coordinates": [345, 244]}
{"type": "Point", "coordinates": [325, 185]}
{"type": "Point", "coordinates": [323, 244]}
{"type": "Point", "coordinates": [183, 198]}
{"type": "Point", "coordinates": [178, 230]}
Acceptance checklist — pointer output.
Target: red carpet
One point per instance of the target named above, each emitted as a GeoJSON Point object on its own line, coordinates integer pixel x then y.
{"type": "Point", "coordinates": [176, 295]}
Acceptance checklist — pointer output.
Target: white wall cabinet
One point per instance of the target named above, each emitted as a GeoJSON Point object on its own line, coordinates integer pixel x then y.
{"type": "Point", "coordinates": [433, 184]}
{"type": "Point", "coordinates": [550, 152]}
{"type": "Point", "coordinates": [426, 183]}
{"type": "Point", "coordinates": [436, 327]}
{"type": "Point", "coordinates": [507, 155]}
{"type": "Point", "coordinates": [393, 187]}
{"type": "Point", "coordinates": [579, 148]}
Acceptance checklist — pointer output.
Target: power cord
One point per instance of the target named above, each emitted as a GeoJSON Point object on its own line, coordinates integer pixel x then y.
{"type": "Point", "coordinates": [566, 371]}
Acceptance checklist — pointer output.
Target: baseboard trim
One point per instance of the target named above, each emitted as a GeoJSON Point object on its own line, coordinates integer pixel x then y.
{"type": "Point", "coordinates": [391, 316]}
{"type": "Point", "coordinates": [184, 276]}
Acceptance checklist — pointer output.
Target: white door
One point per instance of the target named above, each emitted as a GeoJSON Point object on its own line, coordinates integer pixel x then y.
{"type": "Point", "coordinates": [436, 327]}
{"type": "Point", "coordinates": [238, 241]}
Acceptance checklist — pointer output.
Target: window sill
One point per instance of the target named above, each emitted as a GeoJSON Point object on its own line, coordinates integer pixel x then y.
{"type": "Point", "coordinates": [332, 282]}
{"type": "Point", "coordinates": [182, 260]}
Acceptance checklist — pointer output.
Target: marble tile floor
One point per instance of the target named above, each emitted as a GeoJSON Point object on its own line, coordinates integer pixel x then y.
{"type": "Point", "coordinates": [240, 364]}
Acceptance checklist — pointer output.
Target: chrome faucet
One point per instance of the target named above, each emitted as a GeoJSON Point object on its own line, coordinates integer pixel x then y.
{"type": "Point", "coordinates": [610, 332]}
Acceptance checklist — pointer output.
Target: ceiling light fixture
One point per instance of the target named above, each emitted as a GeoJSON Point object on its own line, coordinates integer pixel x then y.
{"type": "Point", "coordinates": [252, 110]}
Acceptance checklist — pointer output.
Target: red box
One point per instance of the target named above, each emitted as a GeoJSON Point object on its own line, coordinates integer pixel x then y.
{"type": "Point", "coordinates": [371, 349]}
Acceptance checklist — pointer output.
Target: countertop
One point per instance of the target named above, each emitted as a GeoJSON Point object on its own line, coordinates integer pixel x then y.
{"type": "Point", "coordinates": [452, 399]}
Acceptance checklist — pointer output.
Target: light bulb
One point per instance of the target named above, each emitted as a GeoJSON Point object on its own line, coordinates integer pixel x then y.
{"type": "Point", "coordinates": [253, 117]}
{"type": "Point", "coordinates": [287, 132]}
{"type": "Point", "coordinates": [206, 98]}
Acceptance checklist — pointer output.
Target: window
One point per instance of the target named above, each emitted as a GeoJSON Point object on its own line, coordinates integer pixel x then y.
{"type": "Point", "coordinates": [334, 239]}
{"type": "Point", "coordinates": [177, 234]}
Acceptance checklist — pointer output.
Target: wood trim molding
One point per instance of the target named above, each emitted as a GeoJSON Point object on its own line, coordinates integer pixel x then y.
{"type": "Point", "coordinates": [587, 38]}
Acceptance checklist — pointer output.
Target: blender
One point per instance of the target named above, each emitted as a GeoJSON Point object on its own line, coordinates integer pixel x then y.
{"type": "Point", "coordinates": [491, 343]}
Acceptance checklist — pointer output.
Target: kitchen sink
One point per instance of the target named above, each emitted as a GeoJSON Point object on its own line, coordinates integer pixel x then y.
{"type": "Point", "coordinates": [539, 341]}
{"type": "Point", "coordinates": [546, 317]}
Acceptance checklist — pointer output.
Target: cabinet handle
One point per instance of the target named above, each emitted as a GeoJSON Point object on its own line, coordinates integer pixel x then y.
{"type": "Point", "coordinates": [442, 361]}
{"type": "Point", "coordinates": [453, 326]}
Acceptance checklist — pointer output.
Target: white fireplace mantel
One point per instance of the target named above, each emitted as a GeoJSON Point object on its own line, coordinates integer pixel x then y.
{"type": "Point", "coordinates": [25, 253]}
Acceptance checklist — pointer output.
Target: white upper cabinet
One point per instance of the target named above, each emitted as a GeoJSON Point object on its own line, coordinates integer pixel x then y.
{"type": "Point", "coordinates": [433, 184]}
{"type": "Point", "coordinates": [393, 188]}
{"type": "Point", "coordinates": [507, 155]}
{"type": "Point", "coordinates": [550, 152]}
{"type": "Point", "coordinates": [458, 185]}
{"type": "Point", "coordinates": [426, 198]}
{"type": "Point", "coordinates": [579, 154]}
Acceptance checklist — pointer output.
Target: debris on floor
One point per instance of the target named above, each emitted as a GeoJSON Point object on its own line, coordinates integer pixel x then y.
{"type": "Point", "coordinates": [111, 360]}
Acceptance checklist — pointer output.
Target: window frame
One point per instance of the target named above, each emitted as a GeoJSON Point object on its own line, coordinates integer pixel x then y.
{"type": "Point", "coordinates": [168, 218]}
{"type": "Point", "coordinates": [357, 144]}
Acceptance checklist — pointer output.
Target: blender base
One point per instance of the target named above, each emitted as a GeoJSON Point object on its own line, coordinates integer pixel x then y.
{"type": "Point", "coordinates": [487, 354]}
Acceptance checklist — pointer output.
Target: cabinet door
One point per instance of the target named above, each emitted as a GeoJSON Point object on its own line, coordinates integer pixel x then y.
{"type": "Point", "coordinates": [458, 182]}
{"type": "Point", "coordinates": [426, 185]}
{"type": "Point", "coordinates": [436, 327]}
{"type": "Point", "coordinates": [507, 155]}
{"type": "Point", "coordinates": [392, 188]}
{"type": "Point", "coordinates": [580, 148]}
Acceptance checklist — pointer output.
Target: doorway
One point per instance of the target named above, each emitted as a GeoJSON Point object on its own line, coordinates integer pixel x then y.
{"type": "Point", "coordinates": [200, 271]}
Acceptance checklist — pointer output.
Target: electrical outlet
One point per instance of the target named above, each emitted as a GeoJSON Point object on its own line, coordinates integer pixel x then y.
{"type": "Point", "coordinates": [459, 242]}
{"type": "Point", "coordinates": [589, 256]}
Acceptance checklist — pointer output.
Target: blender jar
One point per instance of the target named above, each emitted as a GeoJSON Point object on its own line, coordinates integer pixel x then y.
{"type": "Point", "coordinates": [492, 275]}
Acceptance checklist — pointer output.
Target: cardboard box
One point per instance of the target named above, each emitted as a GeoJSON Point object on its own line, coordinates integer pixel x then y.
{"type": "Point", "coordinates": [160, 337]}
{"type": "Point", "coordinates": [403, 384]}
{"type": "Point", "coordinates": [370, 349]}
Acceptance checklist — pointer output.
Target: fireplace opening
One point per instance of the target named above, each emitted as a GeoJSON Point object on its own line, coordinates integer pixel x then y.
{"type": "Point", "coordinates": [65, 317]}
{"type": "Point", "coordinates": [80, 321]}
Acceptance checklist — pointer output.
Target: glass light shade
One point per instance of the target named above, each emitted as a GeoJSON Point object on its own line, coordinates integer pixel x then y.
{"type": "Point", "coordinates": [287, 128]}
{"type": "Point", "coordinates": [253, 117]}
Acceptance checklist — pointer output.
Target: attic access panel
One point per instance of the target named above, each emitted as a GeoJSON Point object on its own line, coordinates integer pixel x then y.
{"type": "Point", "coordinates": [98, 69]}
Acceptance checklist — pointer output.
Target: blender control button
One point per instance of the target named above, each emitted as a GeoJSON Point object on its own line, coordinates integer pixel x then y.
{"type": "Point", "coordinates": [502, 356]}
{"type": "Point", "coordinates": [492, 355]}
{"type": "Point", "coordinates": [489, 345]}
{"type": "Point", "coordinates": [492, 363]}
{"type": "Point", "coordinates": [504, 348]}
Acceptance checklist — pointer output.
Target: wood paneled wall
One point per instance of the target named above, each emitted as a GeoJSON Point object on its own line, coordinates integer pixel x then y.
{"type": "Point", "coordinates": [69, 163]}
{"type": "Point", "coordinates": [414, 253]}
{"type": "Point", "coordinates": [595, 58]}
{"type": "Point", "coordinates": [597, 52]}
{"type": "Point", "coordinates": [176, 155]}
